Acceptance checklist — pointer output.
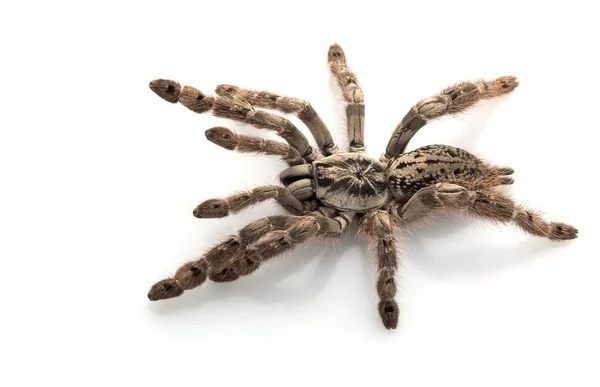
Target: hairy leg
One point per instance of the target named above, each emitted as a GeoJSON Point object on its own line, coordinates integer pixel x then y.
{"type": "Point", "coordinates": [377, 227]}
{"type": "Point", "coordinates": [266, 239]}
{"type": "Point", "coordinates": [171, 91]}
{"type": "Point", "coordinates": [482, 204]}
{"type": "Point", "coordinates": [216, 263]}
{"type": "Point", "coordinates": [250, 144]}
{"type": "Point", "coordinates": [289, 105]}
{"type": "Point", "coordinates": [353, 95]}
{"type": "Point", "coordinates": [237, 109]}
{"type": "Point", "coordinates": [219, 208]}
{"type": "Point", "coordinates": [452, 100]}
{"type": "Point", "coordinates": [242, 254]}
{"type": "Point", "coordinates": [332, 221]}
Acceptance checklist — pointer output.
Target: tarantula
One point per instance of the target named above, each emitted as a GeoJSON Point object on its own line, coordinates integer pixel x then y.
{"type": "Point", "coordinates": [326, 190]}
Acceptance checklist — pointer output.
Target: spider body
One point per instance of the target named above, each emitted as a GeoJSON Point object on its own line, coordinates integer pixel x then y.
{"type": "Point", "coordinates": [357, 182]}
{"type": "Point", "coordinates": [325, 190]}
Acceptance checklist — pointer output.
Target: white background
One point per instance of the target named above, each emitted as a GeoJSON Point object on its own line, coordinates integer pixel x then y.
{"type": "Point", "coordinates": [100, 176]}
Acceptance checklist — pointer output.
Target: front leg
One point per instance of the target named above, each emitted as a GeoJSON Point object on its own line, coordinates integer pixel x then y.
{"type": "Point", "coordinates": [377, 227]}
{"type": "Point", "coordinates": [452, 100]}
{"type": "Point", "coordinates": [353, 95]}
{"type": "Point", "coordinates": [219, 208]}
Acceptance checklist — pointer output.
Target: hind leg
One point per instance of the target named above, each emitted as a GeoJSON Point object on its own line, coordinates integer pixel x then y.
{"type": "Point", "coordinates": [243, 253]}
{"type": "Point", "coordinates": [377, 227]}
{"type": "Point", "coordinates": [482, 204]}
{"type": "Point", "coordinates": [268, 237]}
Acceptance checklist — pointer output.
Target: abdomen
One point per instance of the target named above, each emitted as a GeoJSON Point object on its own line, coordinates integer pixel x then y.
{"type": "Point", "coordinates": [434, 164]}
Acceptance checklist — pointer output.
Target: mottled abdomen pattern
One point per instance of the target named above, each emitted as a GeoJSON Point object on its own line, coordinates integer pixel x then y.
{"type": "Point", "coordinates": [434, 164]}
{"type": "Point", "coordinates": [350, 181]}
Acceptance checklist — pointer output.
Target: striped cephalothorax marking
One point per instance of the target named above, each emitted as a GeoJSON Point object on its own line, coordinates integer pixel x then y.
{"type": "Point", "coordinates": [325, 190]}
{"type": "Point", "coordinates": [350, 181]}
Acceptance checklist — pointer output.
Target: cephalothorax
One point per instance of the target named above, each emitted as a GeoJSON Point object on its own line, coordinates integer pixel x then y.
{"type": "Point", "coordinates": [325, 190]}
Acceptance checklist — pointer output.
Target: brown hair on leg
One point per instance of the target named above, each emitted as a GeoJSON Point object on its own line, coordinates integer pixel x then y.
{"type": "Point", "coordinates": [454, 99]}
{"type": "Point", "coordinates": [238, 109]}
{"type": "Point", "coordinates": [303, 110]}
{"type": "Point", "coordinates": [352, 94]}
{"type": "Point", "coordinates": [249, 144]}
{"type": "Point", "coordinates": [497, 207]}
{"type": "Point", "coordinates": [377, 227]}
{"type": "Point", "coordinates": [189, 97]}
{"type": "Point", "coordinates": [239, 254]}
{"type": "Point", "coordinates": [219, 208]}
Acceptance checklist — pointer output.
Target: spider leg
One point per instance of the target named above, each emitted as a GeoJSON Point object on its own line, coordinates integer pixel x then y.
{"type": "Point", "coordinates": [242, 254]}
{"type": "Point", "coordinates": [277, 242]}
{"type": "Point", "coordinates": [377, 227]}
{"type": "Point", "coordinates": [352, 94]}
{"type": "Point", "coordinates": [485, 205]}
{"type": "Point", "coordinates": [289, 105]}
{"type": "Point", "coordinates": [235, 108]}
{"type": "Point", "coordinates": [233, 141]}
{"type": "Point", "coordinates": [216, 260]}
{"type": "Point", "coordinates": [189, 97]}
{"type": "Point", "coordinates": [287, 197]}
{"type": "Point", "coordinates": [263, 241]}
{"type": "Point", "coordinates": [452, 100]}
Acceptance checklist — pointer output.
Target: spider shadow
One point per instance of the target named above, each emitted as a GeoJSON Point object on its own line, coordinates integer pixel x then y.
{"type": "Point", "coordinates": [270, 284]}
{"type": "Point", "coordinates": [476, 125]}
{"type": "Point", "coordinates": [467, 255]}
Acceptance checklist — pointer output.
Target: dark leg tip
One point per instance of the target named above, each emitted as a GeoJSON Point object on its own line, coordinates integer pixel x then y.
{"type": "Point", "coordinates": [212, 208]}
{"type": "Point", "coordinates": [501, 86]}
{"type": "Point", "coordinates": [164, 289]}
{"type": "Point", "coordinates": [166, 89]}
{"type": "Point", "coordinates": [562, 231]}
{"type": "Point", "coordinates": [388, 310]}
{"type": "Point", "coordinates": [336, 53]}
{"type": "Point", "coordinates": [223, 137]}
